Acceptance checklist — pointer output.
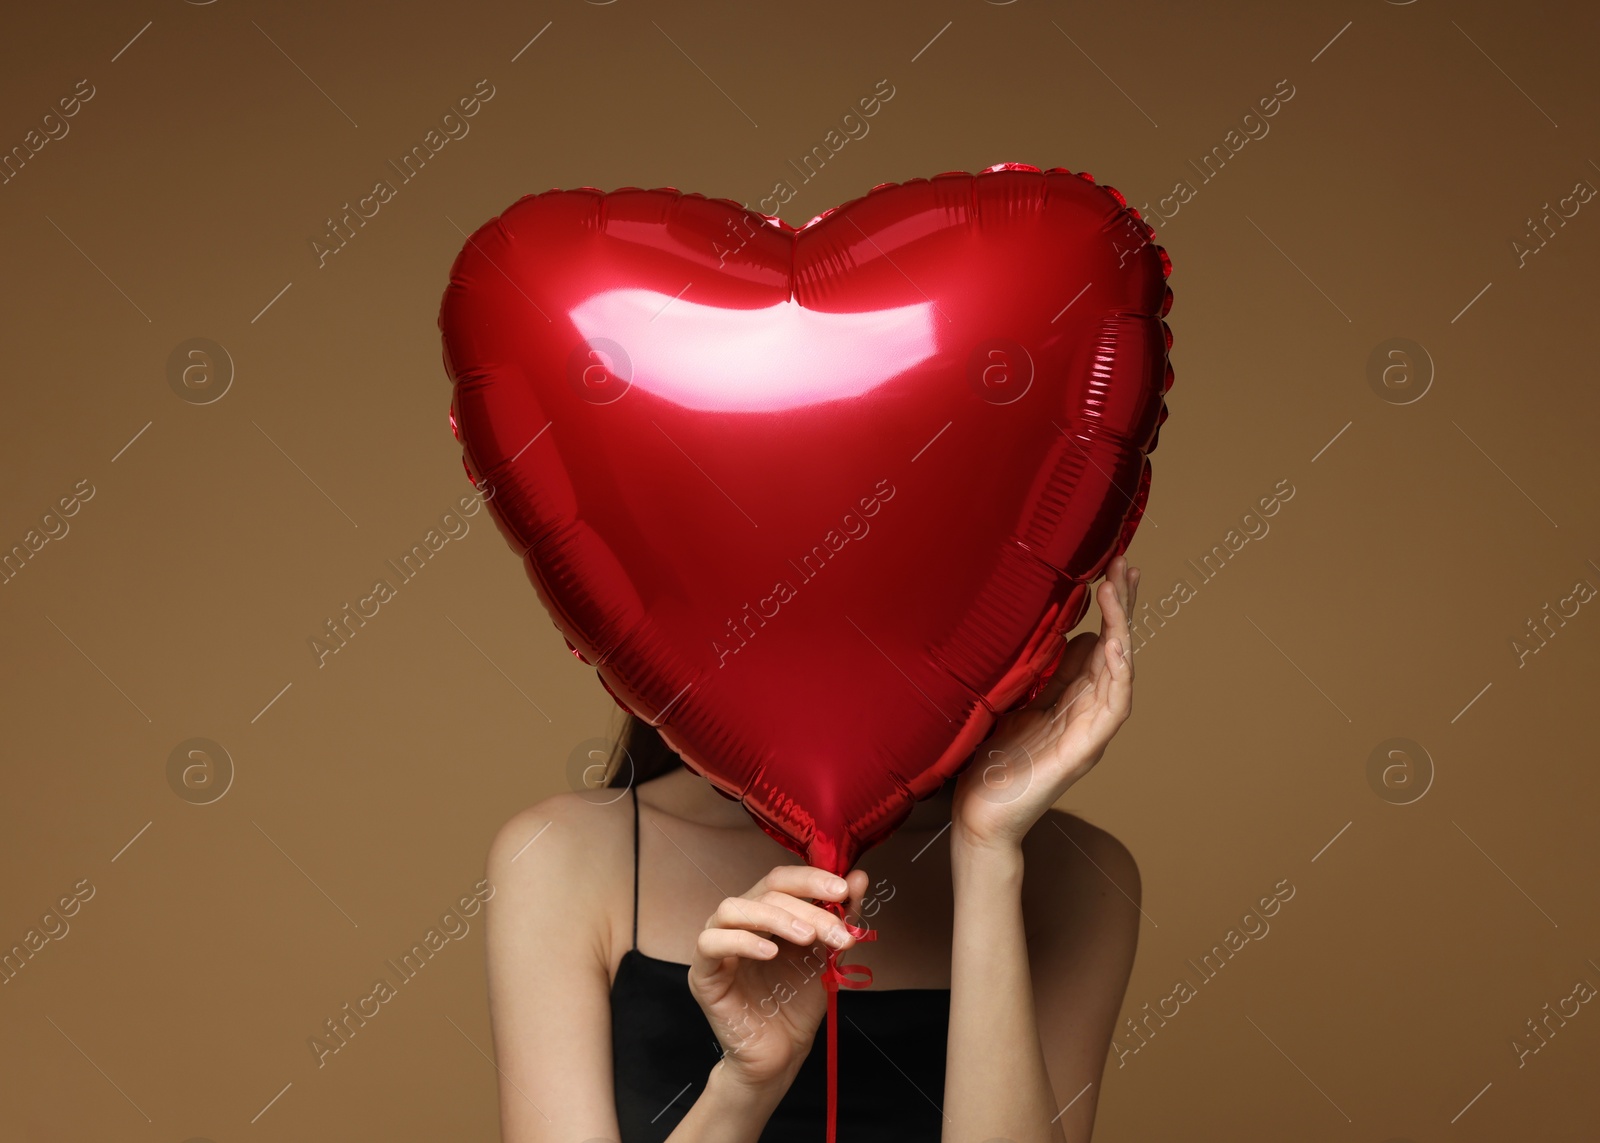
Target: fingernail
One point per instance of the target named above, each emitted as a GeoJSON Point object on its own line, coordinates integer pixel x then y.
{"type": "Point", "coordinates": [837, 937]}
{"type": "Point", "coordinates": [838, 885]}
{"type": "Point", "coordinates": [800, 929]}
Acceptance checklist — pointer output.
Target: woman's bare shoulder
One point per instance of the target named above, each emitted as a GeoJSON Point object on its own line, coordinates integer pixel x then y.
{"type": "Point", "coordinates": [572, 821]}
{"type": "Point", "coordinates": [568, 856]}
{"type": "Point", "coordinates": [1077, 872]}
{"type": "Point", "coordinates": [551, 928]}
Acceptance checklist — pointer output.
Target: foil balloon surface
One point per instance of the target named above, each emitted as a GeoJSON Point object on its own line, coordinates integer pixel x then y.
{"type": "Point", "coordinates": [818, 503]}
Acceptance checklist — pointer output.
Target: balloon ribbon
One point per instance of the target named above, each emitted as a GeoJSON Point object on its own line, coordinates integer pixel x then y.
{"type": "Point", "coordinates": [836, 976]}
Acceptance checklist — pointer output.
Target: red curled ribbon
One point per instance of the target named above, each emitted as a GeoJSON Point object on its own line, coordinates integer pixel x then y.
{"type": "Point", "coordinates": [834, 977]}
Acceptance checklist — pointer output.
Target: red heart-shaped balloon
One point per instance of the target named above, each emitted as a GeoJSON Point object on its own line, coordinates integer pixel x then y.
{"type": "Point", "coordinates": [818, 503]}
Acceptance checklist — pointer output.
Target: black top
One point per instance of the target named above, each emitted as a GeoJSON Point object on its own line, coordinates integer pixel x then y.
{"type": "Point", "coordinates": [891, 1056]}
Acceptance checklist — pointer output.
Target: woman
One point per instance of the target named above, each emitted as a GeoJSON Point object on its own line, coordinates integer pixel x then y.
{"type": "Point", "coordinates": [639, 991]}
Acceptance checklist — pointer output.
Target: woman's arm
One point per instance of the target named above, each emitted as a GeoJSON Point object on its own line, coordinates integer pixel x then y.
{"type": "Point", "coordinates": [996, 1082]}
{"type": "Point", "coordinates": [549, 945]}
{"type": "Point", "coordinates": [549, 980]}
{"type": "Point", "coordinates": [728, 1111]}
{"type": "Point", "coordinates": [1033, 1009]}
{"type": "Point", "coordinates": [1082, 936]}
{"type": "Point", "coordinates": [998, 1079]}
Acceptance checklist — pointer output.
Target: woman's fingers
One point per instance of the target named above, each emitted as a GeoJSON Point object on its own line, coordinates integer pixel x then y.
{"type": "Point", "coordinates": [1122, 664]}
{"type": "Point", "coordinates": [716, 945]}
{"type": "Point", "coordinates": [768, 914]}
{"type": "Point", "coordinates": [1078, 658]}
{"type": "Point", "coordinates": [802, 881]}
{"type": "Point", "coordinates": [1114, 607]}
{"type": "Point", "coordinates": [824, 924]}
{"type": "Point", "coordinates": [1113, 683]}
{"type": "Point", "coordinates": [1119, 681]}
{"type": "Point", "coordinates": [1115, 617]}
{"type": "Point", "coordinates": [1073, 659]}
{"type": "Point", "coordinates": [778, 904]}
{"type": "Point", "coordinates": [859, 883]}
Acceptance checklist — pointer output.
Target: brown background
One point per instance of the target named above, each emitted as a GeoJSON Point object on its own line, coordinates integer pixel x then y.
{"type": "Point", "coordinates": [1386, 596]}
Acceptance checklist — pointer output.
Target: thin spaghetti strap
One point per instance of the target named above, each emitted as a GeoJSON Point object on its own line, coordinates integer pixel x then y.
{"type": "Point", "coordinates": [634, 790]}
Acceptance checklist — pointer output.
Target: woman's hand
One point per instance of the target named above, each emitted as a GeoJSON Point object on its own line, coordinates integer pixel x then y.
{"type": "Point", "coordinates": [757, 969]}
{"type": "Point", "coordinates": [1035, 753]}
